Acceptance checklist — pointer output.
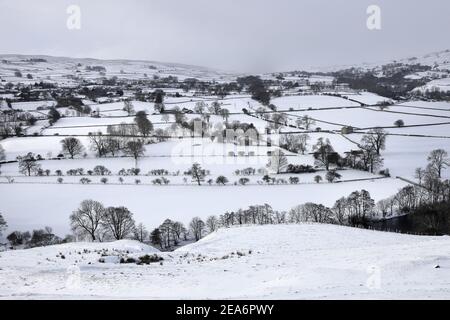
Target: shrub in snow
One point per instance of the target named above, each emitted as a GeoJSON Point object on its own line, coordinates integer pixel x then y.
{"type": "Point", "coordinates": [318, 179]}
{"type": "Point", "coordinates": [128, 260]}
{"type": "Point", "coordinates": [158, 172]}
{"type": "Point", "coordinates": [157, 181]}
{"type": "Point", "coordinates": [3, 224]}
{"type": "Point", "coordinates": [104, 180]}
{"type": "Point", "coordinates": [292, 168]}
{"type": "Point", "coordinates": [245, 172]}
{"type": "Point", "coordinates": [85, 181]}
{"type": "Point", "coordinates": [267, 179]}
{"type": "Point", "coordinates": [399, 123]}
{"type": "Point", "coordinates": [222, 180]}
{"type": "Point", "coordinates": [332, 176]}
{"type": "Point", "coordinates": [101, 171]}
{"type": "Point", "coordinates": [60, 180]}
{"type": "Point", "coordinates": [294, 180]}
{"type": "Point", "coordinates": [244, 181]}
{"type": "Point", "coordinates": [147, 259]}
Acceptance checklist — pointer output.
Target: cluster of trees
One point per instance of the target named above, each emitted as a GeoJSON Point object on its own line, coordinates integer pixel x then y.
{"type": "Point", "coordinates": [170, 233]}
{"type": "Point", "coordinates": [294, 168]}
{"type": "Point", "coordinates": [107, 144]}
{"type": "Point", "coordinates": [393, 84]}
{"type": "Point", "coordinates": [214, 108]}
{"type": "Point", "coordinates": [296, 143]}
{"type": "Point", "coordinates": [11, 122]}
{"type": "Point", "coordinates": [95, 222]}
{"type": "Point", "coordinates": [36, 238]}
{"type": "Point", "coordinates": [97, 171]}
{"type": "Point", "coordinates": [368, 157]}
{"type": "Point", "coordinates": [427, 203]}
{"type": "Point", "coordinates": [256, 87]}
{"type": "Point", "coordinates": [355, 210]}
{"type": "Point", "coordinates": [324, 154]}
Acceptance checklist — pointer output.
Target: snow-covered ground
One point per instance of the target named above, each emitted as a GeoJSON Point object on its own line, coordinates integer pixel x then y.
{"type": "Point", "coordinates": [307, 261]}
{"type": "Point", "coordinates": [52, 204]}
{"type": "Point", "coordinates": [442, 85]}
{"type": "Point", "coordinates": [49, 203]}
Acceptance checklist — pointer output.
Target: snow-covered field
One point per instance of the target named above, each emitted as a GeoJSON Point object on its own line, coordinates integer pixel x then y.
{"type": "Point", "coordinates": [49, 203]}
{"type": "Point", "coordinates": [306, 261]}
{"type": "Point", "coordinates": [52, 204]}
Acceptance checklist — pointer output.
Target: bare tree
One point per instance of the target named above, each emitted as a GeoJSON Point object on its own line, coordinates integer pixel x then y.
{"type": "Point", "coordinates": [197, 227]}
{"type": "Point", "coordinates": [87, 218]}
{"type": "Point", "coordinates": [135, 149]}
{"type": "Point", "coordinates": [278, 161]}
{"type": "Point", "coordinates": [167, 233]}
{"type": "Point", "coordinates": [28, 164]}
{"type": "Point", "coordinates": [324, 153]}
{"type": "Point", "coordinates": [279, 120]}
{"type": "Point", "coordinates": [72, 147]}
{"type": "Point", "coordinates": [3, 224]}
{"type": "Point", "coordinates": [178, 230]}
{"type": "Point", "coordinates": [332, 176]}
{"type": "Point", "coordinates": [2, 153]}
{"type": "Point", "coordinates": [375, 139]}
{"type": "Point", "coordinates": [295, 142]}
{"type": "Point", "coordinates": [419, 174]}
{"type": "Point", "coordinates": [128, 107]}
{"type": "Point", "coordinates": [438, 160]}
{"type": "Point", "coordinates": [165, 117]}
{"type": "Point", "coordinates": [339, 211]}
{"type": "Point", "coordinates": [305, 122]}
{"type": "Point", "coordinates": [144, 125]}
{"type": "Point", "coordinates": [140, 233]}
{"type": "Point", "coordinates": [119, 221]}
{"type": "Point", "coordinates": [212, 223]}
{"type": "Point", "coordinates": [200, 107]}
{"type": "Point", "coordinates": [99, 144]}
{"type": "Point", "coordinates": [156, 238]}
{"type": "Point", "coordinates": [197, 173]}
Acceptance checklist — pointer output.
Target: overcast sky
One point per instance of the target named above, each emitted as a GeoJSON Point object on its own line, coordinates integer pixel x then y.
{"type": "Point", "coordinates": [235, 35]}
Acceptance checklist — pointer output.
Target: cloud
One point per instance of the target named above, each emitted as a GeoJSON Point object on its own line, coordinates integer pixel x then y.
{"type": "Point", "coordinates": [245, 35]}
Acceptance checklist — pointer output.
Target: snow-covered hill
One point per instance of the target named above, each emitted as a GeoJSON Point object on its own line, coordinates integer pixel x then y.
{"type": "Point", "coordinates": [439, 60]}
{"type": "Point", "coordinates": [65, 71]}
{"type": "Point", "coordinates": [269, 262]}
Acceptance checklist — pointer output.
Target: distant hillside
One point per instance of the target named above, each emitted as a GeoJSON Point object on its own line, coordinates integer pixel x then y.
{"type": "Point", "coordinates": [32, 68]}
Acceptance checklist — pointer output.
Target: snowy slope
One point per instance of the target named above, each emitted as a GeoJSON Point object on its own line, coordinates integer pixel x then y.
{"type": "Point", "coordinates": [262, 262]}
{"type": "Point", "coordinates": [64, 70]}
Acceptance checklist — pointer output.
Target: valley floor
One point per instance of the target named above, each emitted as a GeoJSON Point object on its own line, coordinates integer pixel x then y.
{"type": "Point", "coordinates": [308, 261]}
